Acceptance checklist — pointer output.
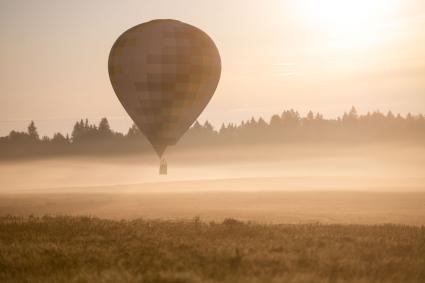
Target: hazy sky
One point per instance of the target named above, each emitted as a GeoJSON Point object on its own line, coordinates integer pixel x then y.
{"type": "Point", "coordinates": [304, 54]}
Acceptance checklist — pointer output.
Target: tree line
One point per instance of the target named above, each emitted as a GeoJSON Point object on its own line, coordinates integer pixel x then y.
{"type": "Point", "coordinates": [289, 126]}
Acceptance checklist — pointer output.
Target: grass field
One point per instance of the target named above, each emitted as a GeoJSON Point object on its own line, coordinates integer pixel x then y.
{"type": "Point", "coordinates": [81, 249]}
{"type": "Point", "coordinates": [281, 214]}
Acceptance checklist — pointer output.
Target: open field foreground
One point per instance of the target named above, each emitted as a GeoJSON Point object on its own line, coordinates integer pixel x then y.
{"type": "Point", "coordinates": [81, 249]}
{"type": "Point", "coordinates": [292, 207]}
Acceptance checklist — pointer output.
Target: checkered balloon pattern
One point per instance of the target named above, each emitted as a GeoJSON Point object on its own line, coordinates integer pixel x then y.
{"type": "Point", "coordinates": [164, 73]}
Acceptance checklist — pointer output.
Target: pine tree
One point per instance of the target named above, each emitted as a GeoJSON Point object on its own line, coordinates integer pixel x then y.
{"type": "Point", "coordinates": [133, 131]}
{"type": "Point", "coordinates": [32, 131]}
{"type": "Point", "coordinates": [59, 138]}
{"type": "Point", "coordinates": [222, 129]}
{"type": "Point", "coordinates": [196, 125]}
{"type": "Point", "coordinates": [104, 129]}
{"type": "Point", "coordinates": [310, 115]}
{"type": "Point", "coordinates": [77, 131]}
{"type": "Point", "coordinates": [208, 127]}
{"type": "Point", "coordinates": [353, 114]}
{"type": "Point", "coordinates": [275, 121]}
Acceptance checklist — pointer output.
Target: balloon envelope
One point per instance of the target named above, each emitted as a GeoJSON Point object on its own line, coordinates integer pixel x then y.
{"type": "Point", "coordinates": [164, 73]}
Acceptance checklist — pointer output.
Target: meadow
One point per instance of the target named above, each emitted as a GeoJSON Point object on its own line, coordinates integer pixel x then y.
{"type": "Point", "coordinates": [84, 249]}
{"type": "Point", "coordinates": [281, 214]}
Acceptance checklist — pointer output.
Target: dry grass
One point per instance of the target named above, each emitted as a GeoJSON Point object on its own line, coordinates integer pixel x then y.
{"type": "Point", "coordinates": [81, 249]}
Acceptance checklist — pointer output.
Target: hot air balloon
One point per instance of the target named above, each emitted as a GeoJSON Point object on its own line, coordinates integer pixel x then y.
{"type": "Point", "coordinates": [164, 73]}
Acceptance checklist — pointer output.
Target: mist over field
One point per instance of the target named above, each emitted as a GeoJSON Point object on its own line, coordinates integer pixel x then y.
{"type": "Point", "coordinates": [292, 183]}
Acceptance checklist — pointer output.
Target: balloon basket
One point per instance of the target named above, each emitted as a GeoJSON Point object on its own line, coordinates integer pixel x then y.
{"type": "Point", "coordinates": [163, 167]}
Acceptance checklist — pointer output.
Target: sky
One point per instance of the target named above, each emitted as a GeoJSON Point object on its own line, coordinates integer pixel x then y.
{"type": "Point", "coordinates": [323, 55]}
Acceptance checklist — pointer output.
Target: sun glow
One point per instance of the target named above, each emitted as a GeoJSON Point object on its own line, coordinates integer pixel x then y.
{"type": "Point", "coordinates": [350, 24]}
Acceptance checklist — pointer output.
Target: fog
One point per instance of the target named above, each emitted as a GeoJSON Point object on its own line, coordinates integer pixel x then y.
{"type": "Point", "coordinates": [371, 183]}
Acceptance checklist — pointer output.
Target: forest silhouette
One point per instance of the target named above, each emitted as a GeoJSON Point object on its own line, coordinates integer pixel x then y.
{"type": "Point", "coordinates": [288, 127]}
